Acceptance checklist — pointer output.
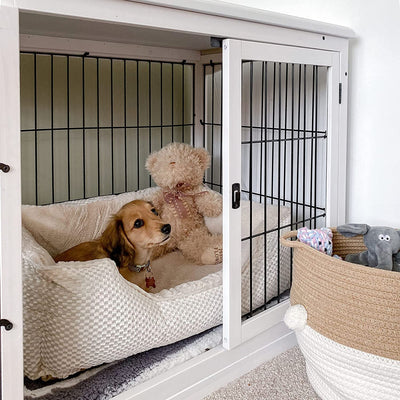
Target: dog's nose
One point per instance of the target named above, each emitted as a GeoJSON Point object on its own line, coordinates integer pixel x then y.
{"type": "Point", "coordinates": [166, 229]}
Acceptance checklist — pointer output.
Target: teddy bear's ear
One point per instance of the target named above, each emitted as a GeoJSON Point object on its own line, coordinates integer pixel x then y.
{"type": "Point", "coordinates": [204, 157]}
{"type": "Point", "coordinates": [150, 162]}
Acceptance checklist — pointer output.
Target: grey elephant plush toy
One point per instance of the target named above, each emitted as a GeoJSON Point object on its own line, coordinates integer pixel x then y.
{"type": "Point", "coordinates": [383, 246]}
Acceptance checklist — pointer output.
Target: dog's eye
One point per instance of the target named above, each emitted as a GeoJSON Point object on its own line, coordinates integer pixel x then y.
{"type": "Point", "coordinates": [138, 223]}
{"type": "Point", "coordinates": [153, 210]}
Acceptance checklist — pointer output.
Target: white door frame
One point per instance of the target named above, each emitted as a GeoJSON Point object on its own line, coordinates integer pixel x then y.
{"type": "Point", "coordinates": [10, 207]}
{"type": "Point", "coordinates": [234, 52]}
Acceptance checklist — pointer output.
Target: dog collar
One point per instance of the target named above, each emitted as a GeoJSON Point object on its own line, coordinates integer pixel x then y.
{"type": "Point", "coordinates": [138, 268]}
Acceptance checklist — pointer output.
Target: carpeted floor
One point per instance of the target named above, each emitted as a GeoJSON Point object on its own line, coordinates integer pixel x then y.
{"type": "Point", "coordinates": [282, 378]}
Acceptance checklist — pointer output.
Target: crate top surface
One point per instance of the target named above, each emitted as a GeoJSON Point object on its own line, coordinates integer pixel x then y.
{"type": "Point", "coordinates": [173, 23]}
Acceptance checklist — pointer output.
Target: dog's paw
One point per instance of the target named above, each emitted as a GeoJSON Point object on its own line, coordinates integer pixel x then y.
{"type": "Point", "coordinates": [211, 256]}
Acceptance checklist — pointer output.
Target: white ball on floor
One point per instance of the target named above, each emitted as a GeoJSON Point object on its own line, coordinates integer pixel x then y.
{"type": "Point", "coordinates": [296, 317]}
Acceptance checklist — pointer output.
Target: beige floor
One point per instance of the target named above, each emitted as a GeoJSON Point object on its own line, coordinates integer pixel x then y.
{"type": "Point", "coordinates": [282, 378]}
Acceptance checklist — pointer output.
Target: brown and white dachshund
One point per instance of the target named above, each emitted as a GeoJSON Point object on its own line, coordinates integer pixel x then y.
{"type": "Point", "coordinates": [129, 239]}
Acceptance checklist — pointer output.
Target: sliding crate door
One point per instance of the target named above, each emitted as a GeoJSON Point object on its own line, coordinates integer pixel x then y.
{"type": "Point", "coordinates": [280, 170]}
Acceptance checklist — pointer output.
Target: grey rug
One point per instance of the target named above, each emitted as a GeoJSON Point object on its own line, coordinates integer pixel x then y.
{"type": "Point", "coordinates": [282, 378]}
{"type": "Point", "coordinates": [104, 382]}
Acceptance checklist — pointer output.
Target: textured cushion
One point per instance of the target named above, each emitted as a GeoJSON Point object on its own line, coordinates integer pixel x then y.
{"type": "Point", "coordinates": [81, 314]}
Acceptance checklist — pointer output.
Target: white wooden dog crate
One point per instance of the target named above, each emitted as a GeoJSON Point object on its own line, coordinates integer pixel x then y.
{"type": "Point", "coordinates": [279, 82]}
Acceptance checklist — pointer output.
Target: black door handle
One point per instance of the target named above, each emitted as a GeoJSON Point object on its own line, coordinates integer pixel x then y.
{"type": "Point", "coordinates": [235, 195]}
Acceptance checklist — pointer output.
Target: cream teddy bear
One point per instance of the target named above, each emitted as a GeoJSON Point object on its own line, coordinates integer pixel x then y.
{"type": "Point", "coordinates": [183, 201]}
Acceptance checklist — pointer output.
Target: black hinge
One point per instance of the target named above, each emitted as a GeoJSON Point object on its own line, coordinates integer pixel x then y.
{"type": "Point", "coordinates": [7, 324]}
{"type": "Point", "coordinates": [4, 167]}
{"type": "Point", "coordinates": [340, 93]}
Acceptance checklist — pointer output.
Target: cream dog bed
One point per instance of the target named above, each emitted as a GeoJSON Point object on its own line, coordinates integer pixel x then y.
{"type": "Point", "coordinates": [82, 314]}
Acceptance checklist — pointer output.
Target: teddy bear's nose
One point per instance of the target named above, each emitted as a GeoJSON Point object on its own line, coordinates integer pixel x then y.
{"type": "Point", "coordinates": [172, 163]}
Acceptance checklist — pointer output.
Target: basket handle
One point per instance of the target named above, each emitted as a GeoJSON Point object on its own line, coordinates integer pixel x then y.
{"type": "Point", "coordinates": [285, 239]}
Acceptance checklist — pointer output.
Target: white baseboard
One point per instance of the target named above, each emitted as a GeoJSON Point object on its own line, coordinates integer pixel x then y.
{"type": "Point", "coordinates": [204, 374]}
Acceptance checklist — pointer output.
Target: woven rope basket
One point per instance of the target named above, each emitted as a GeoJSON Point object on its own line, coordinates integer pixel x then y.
{"type": "Point", "coordinates": [353, 305]}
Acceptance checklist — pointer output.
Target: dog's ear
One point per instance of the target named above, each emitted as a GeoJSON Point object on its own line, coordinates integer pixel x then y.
{"type": "Point", "coordinates": [353, 229]}
{"type": "Point", "coordinates": [116, 244]}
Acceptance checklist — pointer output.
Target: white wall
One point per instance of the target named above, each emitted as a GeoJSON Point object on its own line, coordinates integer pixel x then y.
{"type": "Point", "coordinates": [374, 99]}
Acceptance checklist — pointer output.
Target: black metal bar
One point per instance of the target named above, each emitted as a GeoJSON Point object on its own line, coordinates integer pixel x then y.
{"type": "Point", "coordinates": [183, 101]}
{"type": "Point", "coordinates": [109, 58]}
{"type": "Point", "coordinates": [265, 86]}
{"type": "Point", "coordinates": [52, 123]}
{"type": "Point", "coordinates": [68, 131]}
{"type": "Point", "coordinates": [316, 142]}
{"type": "Point", "coordinates": [276, 198]}
{"type": "Point", "coordinates": [172, 100]}
{"type": "Point", "coordinates": [149, 64]}
{"type": "Point", "coordinates": [212, 122]}
{"type": "Point", "coordinates": [137, 130]}
{"type": "Point", "coordinates": [292, 174]}
{"type": "Point", "coordinates": [312, 141]}
{"type": "Point", "coordinates": [279, 181]}
{"type": "Point", "coordinates": [98, 125]}
{"type": "Point", "coordinates": [193, 105]}
{"type": "Point", "coordinates": [161, 105]}
{"type": "Point", "coordinates": [204, 104]}
{"type": "Point", "coordinates": [108, 127]}
{"type": "Point", "coordinates": [251, 185]}
{"type": "Point", "coordinates": [285, 140]}
{"type": "Point", "coordinates": [273, 132]}
{"type": "Point", "coordinates": [36, 126]}
{"type": "Point", "coordinates": [210, 183]}
{"type": "Point", "coordinates": [276, 229]}
{"type": "Point", "coordinates": [285, 132]}
{"type": "Point", "coordinates": [262, 131]}
{"type": "Point", "coordinates": [269, 128]}
{"type": "Point", "coordinates": [125, 132]}
{"type": "Point", "coordinates": [266, 306]}
{"type": "Point", "coordinates": [298, 148]}
{"type": "Point", "coordinates": [323, 132]}
{"type": "Point", "coordinates": [304, 135]}
{"type": "Point", "coordinates": [112, 123]}
{"type": "Point", "coordinates": [83, 129]}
